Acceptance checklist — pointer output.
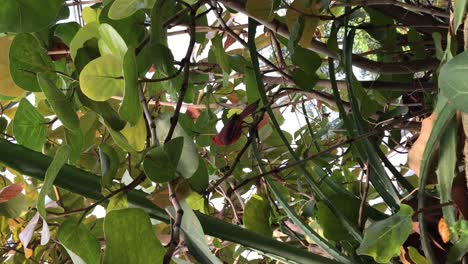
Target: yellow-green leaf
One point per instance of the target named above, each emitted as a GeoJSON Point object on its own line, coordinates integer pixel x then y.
{"type": "Point", "coordinates": [7, 85]}
{"type": "Point", "coordinates": [102, 78]}
{"type": "Point", "coordinates": [310, 22]}
{"type": "Point", "coordinates": [136, 135]}
{"type": "Point", "coordinates": [262, 9]}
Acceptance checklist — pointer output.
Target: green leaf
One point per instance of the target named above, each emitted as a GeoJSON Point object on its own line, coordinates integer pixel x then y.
{"type": "Point", "coordinates": [104, 109]}
{"type": "Point", "coordinates": [109, 164]}
{"type": "Point", "coordinates": [194, 236]}
{"type": "Point", "coordinates": [160, 164]}
{"type": "Point", "coordinates": [60, 158]}
{"type": "Point", "coordinates": [102, 78]}
{"type": "Point", "coordinates": [262, 9]}
{"type": "Point", "coordinates": [117, 202]}
{"type": "Point", "coordinates": [67, 31]}
{"type": "Point", "coordinates": [199, 181]}
{"type": "Point", "coordinates": [452, 79]}
{"type": "Point", "coordinates": [75, 140]}
{"type": "Point", "coordinates": [257, 215]}
{"type": "Point", "coordinates": [130, 238]}
{"type": "Point", "coordinates": [132, 29]}
{"type": "Point", "coordinates": [383, 239]}
{"type": "Point", "coordinates": [332, 227]}
{"type": "Point", "coordinates": [458, 13]}
{"type": "Point", "coordinates": [136, 135]}
{"type": "Point", "coordinates": [131, 109]}
{"type": "Point", "coordinates": [221, 56]}
{"type": "Point", "coordinates": [90, 14]}
{"type": "Point", "coordinates": [110, 42]}
{"type": "Point", "coordinates": [307, 60]}
{"type": "Point", "coordinates": [28, 15]}
{"type": "Point", "coordinates": [188, 163]}
{"type": "Point", "coordinates": [82, 246]}
{"type": "Point", "coordinates": [14, 207]}
{"type": "Point", "coordinates": [29, 126]}
{"type": "Point", "coordinates": [85, 33]}
{"type": "Point", "coordinates": [458, 250]}
{"type": "Point", "coordinates": [124, 8]}
{"type": "Point", "coordinates": [305, 80]}
{"type": "Point", "coordinates": [27, 58]}
{"type": "Point", "coordinates": [59, 102]}
{"type": "Point", "coordinates": [416, 257]}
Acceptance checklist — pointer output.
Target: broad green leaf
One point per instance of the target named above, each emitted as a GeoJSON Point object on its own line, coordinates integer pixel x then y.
{"type": "Point", "coordinates": [304, 80]}
{"type": "Point", "coordinates": [332, 227]}
{"type": "Point", "coordinates": [310, 23]}
{"type": "Point", "coordinates": [131, 109]}
{"type": "Point", "coordinates": [110, 42]}
{"type": "Point", "coordinates": [67, 31]}
{"type": "Point", "coordinates": [130, 238]}
{"type": "Point", "coordinates": [27, 58]}
{"type": "Point", "coordinates": [163, 61]}
{"type": "Point", "coordinates": [85, 33]}
{"type": "Point", "coordinates": [136, 135]}
{"type": "Point", "coordinates": [458, 13]}
{"type": "Point", "coordinates": [82, 246]}
{"type": "Point", "coordinates": [28, 15]}
{"type": "Point", "coordinates": [121, 9]}
{"type": "Point", "coordinates": [109, 164]}
{"type": "Point", "coordinates": [199, 181]}
{"type": "Point", "coordinates": [61, 105]}
{"type": "Point", "coordinates": [29, 126]}
{"type": "Point", "coordinates": [160, 164]}
{"type": "Point", "coordinates": [188, 163]}
{"type": "Point", "coordinates": [452, 80]}
{"type": "Point", "coordinates": [102, 78]}
{"type": "Point", "coordinates": [60, 158]}
{"type": "Point", "coordinates": [194, 236]}
{"type": "Point", "coordinates": [257, 215]}
{"type": "Point", "coordinates": [383, 239]}
{"type": "Point", "coordinates": [7, 85]}
{"type": "Point", "coordinates": [132, 29]}
{"type": "Point", "coordinates": [262, 9]}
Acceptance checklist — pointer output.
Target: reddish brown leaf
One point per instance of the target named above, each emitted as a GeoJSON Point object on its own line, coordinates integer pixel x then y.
{"type": "Point", "coordinates": [232, 130]}
{"type": "Point", "coordinates": [9, 192]}
{"type": "Point", "coordinates": [229, 41]}
{"type": "Point", "coordinates": [460, 194]}
{"type": "Point", "coordinates": [416, 152]}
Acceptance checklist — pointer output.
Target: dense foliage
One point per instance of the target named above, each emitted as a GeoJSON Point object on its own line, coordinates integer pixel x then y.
{"type": "Point", "coordinates": [282, 129]}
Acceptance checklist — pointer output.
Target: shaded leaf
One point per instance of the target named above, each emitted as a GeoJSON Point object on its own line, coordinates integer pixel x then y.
{"type": "Point", "coordinates": [131, 229]}
{"type": "Point", "coordinates": [310, 23]}
{"type": "Point", "coordinates": [109, 164]}
{"type": "Point", "coordinates": [79, 242]}
{"type": "Point", "coordinates": [257, 215]}
{"type": "Point", "coordinates": [59, 102]}
{"type": "Point", "coordinates": [84, 34]}
{"type": "Point", "coordinates": [28, 15]}
{"type": "Point", "coordinates": [452, 80]}
{"type": "Point", "coordinates": [29, 126]}
{"type": "Point", "coordinates": [27, 58]}
{"type": "Point", "coordinates": [131, 109]}
{"type": "Point", "coordinates": [160, 164]}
